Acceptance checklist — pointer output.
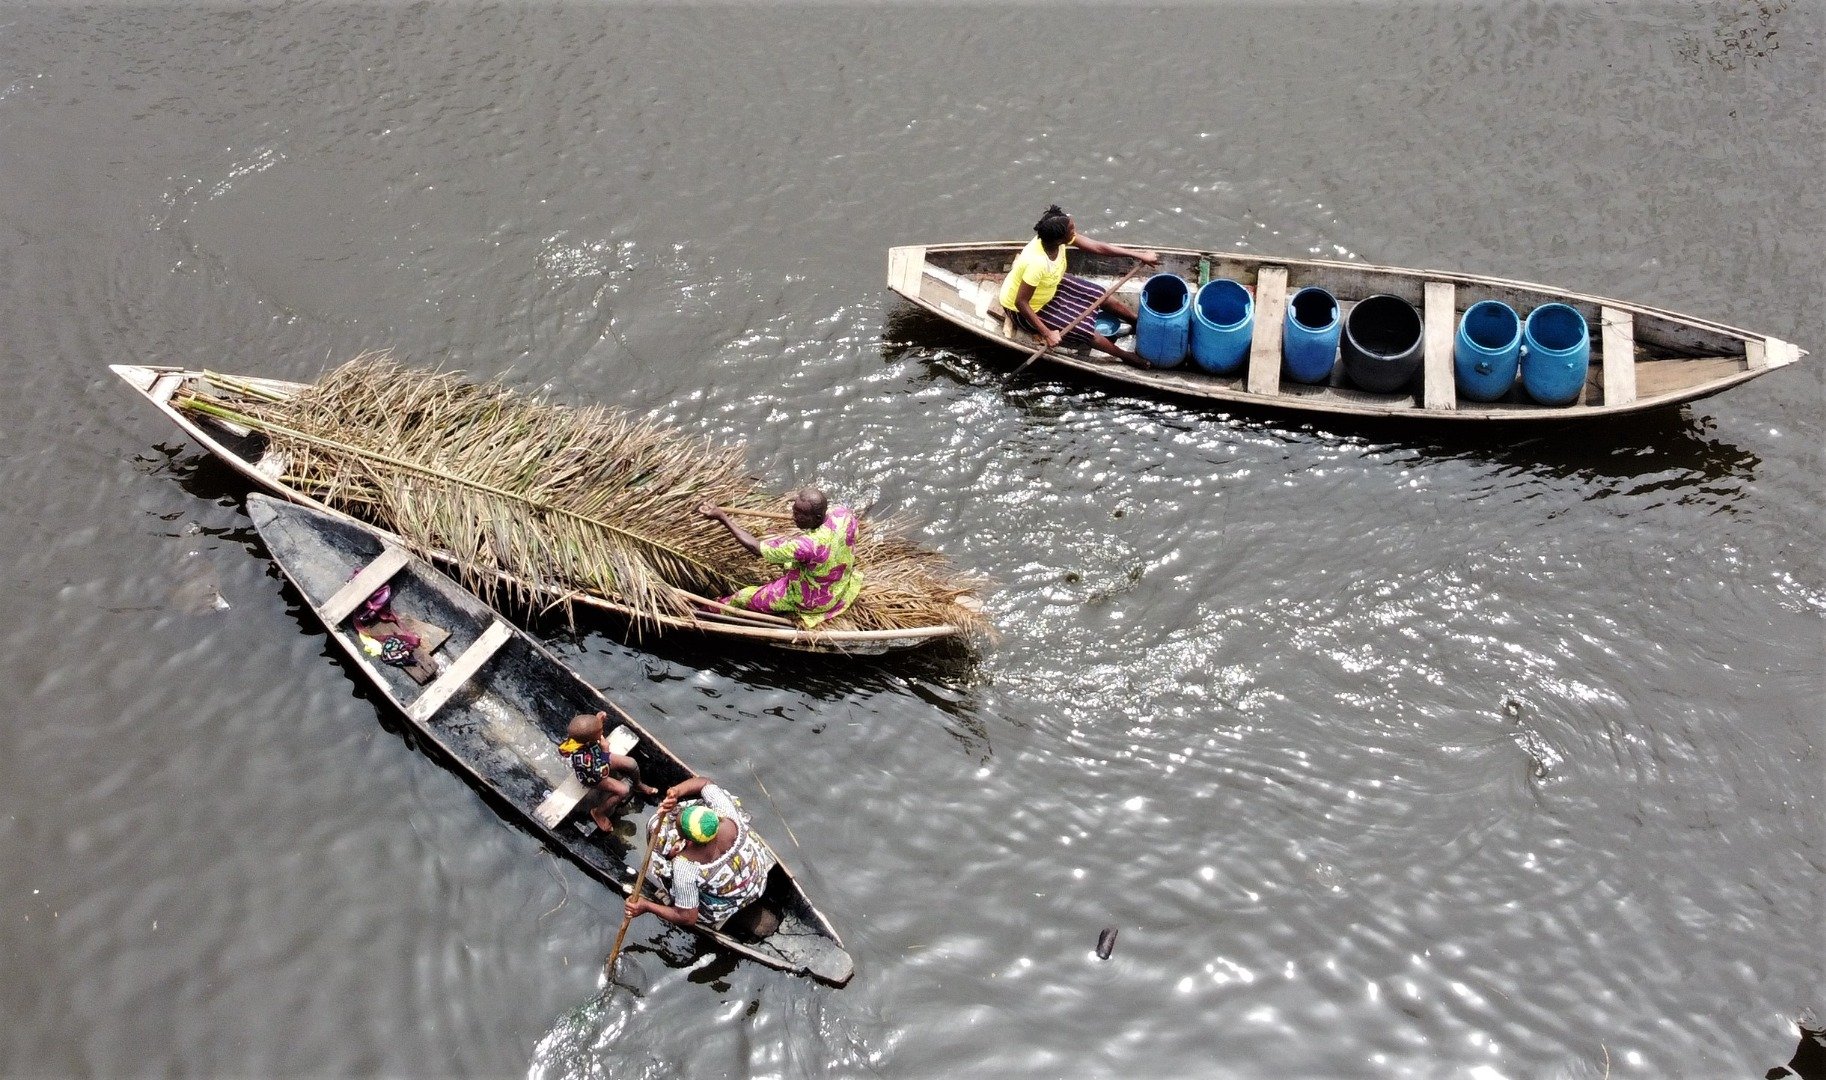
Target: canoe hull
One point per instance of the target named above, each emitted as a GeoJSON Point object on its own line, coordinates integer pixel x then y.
{"type": "Point", "coordinates": [158, 384]}
{"type": "Point", "coordinates": [1643, 358]}
{"type": "Point", "coordinates": [501, 726]}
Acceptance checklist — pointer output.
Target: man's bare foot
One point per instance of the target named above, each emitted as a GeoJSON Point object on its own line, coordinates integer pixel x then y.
{"type": "Point", "coordinates": [601, 817]}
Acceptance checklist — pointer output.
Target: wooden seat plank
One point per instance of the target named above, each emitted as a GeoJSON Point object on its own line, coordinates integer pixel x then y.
{"type": "Point", "coordinates": [1439, 390]}
{"type": "Point", "coordinates": [559, 804]}
{"type": "Point", "coordinates": [1265, 344]}
{"type": "Point", "coordinates": [564, 798]}
{"type": "Point", "coordinates": [377, 573]}
{"type": "Point", "coordinates": [1765, 353]}
{"type": "Point", "coordinates": [459, 672]}
{"type": "Point", "coordinates": [1617, 332]}
{"type": "Point", "coordinates": [904, 267]}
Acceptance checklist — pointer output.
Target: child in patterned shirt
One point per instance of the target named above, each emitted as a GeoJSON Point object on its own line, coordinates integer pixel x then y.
{"type": "Point", "coordinates": [609, 776]}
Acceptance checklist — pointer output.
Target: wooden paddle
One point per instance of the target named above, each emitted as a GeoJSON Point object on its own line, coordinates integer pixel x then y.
{"type": "Point", "coordinates": [1073, 325]}
{"type": "Point", "coordinates": [640, 884]}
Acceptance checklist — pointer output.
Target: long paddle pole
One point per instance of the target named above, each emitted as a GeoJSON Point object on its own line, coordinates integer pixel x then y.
{"type": "Point", "coordinates": [640, 884]}
{"type": "Point", "coordinates": [1073, 325]}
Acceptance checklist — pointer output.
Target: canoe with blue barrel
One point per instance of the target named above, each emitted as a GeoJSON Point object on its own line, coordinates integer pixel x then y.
{"type": "Point", "coordinates": [1400, 352]}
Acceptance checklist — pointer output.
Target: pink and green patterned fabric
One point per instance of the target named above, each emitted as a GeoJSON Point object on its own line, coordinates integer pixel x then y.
{"type": "Point", "coordinates": [820, 578]}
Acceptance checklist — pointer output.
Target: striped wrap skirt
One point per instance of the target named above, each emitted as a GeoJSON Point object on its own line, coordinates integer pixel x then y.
{"type": "Point", "coordinates": [1074, 296]}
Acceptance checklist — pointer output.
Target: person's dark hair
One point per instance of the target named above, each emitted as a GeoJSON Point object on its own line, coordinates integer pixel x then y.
{"type": "Point", "coordinates": [809, 507]}
{"type": "Point", "coordinates": [585, 726]}
{"type": "Point", "coordinates": [1054, 226]}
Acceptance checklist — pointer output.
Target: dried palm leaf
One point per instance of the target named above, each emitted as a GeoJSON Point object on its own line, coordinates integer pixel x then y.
{"type": "Point", "coordinates": [563, 500]}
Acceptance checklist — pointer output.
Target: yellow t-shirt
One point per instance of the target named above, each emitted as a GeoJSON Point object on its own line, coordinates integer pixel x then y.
{"type": "Point", "coordinates": [1033, 267]}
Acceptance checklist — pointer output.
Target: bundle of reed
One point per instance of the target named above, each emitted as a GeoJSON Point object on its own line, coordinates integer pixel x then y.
{"type": "Point", "coordinates": [561, 500]}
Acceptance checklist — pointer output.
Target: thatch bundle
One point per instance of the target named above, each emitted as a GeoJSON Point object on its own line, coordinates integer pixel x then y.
{"type": "Point", "coordinates": [563, 500]}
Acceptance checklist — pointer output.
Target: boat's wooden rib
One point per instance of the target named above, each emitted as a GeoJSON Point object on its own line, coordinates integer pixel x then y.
{"type": "Point", "coordinates": [503, 733]}
{"type": "Point", "coordinates": [1664, 359]}
{"type": "Point", "coordinates": [247, 454]}
{"type": "Point", "coordinates": [1439, 388]}
{"type": "Point", "coordinates": [1265, 341]}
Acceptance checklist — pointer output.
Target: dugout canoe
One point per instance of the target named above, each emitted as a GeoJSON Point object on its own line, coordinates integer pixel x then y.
{"type": "Point", "coordinates": [497, 707]}
{"type": "Point", "coordinates": [1642, 358]}
{"type": "Point", "coordinates": [247, 453]}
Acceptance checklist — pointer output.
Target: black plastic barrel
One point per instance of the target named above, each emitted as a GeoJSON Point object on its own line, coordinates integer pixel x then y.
{"type": "Point", "coordinates": [1381, 344]}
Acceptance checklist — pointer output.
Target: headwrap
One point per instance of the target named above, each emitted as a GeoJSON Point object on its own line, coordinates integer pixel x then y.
{"type": "Point", "coordinates": [698, 823]}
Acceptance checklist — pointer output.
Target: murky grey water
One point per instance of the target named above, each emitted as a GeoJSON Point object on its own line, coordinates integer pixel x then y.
{"type": "Point", "coordinates": [1389, 756]}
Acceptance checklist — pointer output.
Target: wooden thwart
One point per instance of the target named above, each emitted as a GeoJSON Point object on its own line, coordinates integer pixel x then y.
{"type": "Point", "coordinates": [1270, 316]}
{"type": "Point", "coordinates": [565, 797]}
{"type": "Point", "coordinates": [1770, 353]}
{"type": "Point", "coordinates": [559, 804]}
{"type": "Point", "coordinates": [1617, 332]}
{"type": "Point", "coordinates": [459, 672]}
{"type": "Point", "coordinates": [377, 573]}
{"type": "Point", "coordinates": [1440, 390]}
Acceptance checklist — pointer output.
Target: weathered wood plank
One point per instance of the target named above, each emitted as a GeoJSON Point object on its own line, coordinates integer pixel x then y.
{"type": "Point", "coordinates": [1770, 353]}
{"type": "Point", "coordinates": [1265, 344]}
{"type": "Point", "coordinates": [459, 672]}
{"type": "Point", "coordinates": [905, 264]}
{"type": "Point", "coordinates": [1617, 331]}
{"type": "Point", "coordinates": [1659, 378]}
{"type": "Point", "coordinates": [559, 804]}
{"type": "Point", "coordinates": [1440, 388]}
{"type": "Point", "coordinates": [1781, 353]}
{"type": "Point", "coordinates": [377, 573]}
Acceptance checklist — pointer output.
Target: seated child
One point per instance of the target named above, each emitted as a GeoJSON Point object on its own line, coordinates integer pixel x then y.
{"type": "Point", "coordinates": [587, 749]}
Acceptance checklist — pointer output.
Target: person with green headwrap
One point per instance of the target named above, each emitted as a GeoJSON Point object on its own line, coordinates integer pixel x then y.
{"type": "Point", "coordinates": [705, 854]}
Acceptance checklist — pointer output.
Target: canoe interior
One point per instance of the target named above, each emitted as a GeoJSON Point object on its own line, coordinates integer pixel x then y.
{"type": "Point", "coordinates": [1672, 358]}
{"type": "Point", "coordinates": [246, 453]}
{"type": "Point", "coordinates": [502, 728]}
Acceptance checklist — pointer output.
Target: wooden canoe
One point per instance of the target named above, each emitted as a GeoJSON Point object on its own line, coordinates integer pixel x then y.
{"type": "Point", "coordinates": [246, 453]}
{"type": "Point", "coordinates": [1641, 357]}
{"type": "Point", "coordinates": [498, 706]}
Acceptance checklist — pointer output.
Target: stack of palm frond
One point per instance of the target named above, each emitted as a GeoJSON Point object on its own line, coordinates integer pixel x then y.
{"type": "Point", "coordinates": [527, 498]}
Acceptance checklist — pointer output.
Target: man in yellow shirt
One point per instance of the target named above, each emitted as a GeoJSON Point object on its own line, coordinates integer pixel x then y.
{"type": "Point", "coordinates": [1039, 295]}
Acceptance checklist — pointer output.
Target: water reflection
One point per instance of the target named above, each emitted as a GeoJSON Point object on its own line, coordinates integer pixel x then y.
{"type": "Point", "coordinates": [1809, 1060]}
{"type": "Point", "coordinates": [201, 474]}
{"type": "Point", "coordinates": [1667, 450]}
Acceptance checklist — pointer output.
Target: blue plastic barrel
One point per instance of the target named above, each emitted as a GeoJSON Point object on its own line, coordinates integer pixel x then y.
{"type": "Point", "coordinates": [1487, 351]}
{"type": "Point", "coordinates": [1381, 343]}
{"type": "Point", "coordinates": [1556, 352]}
{"type": "Point", "coordinates": [1309, 342]}
{"type": "Point", "coordinates": [1163, 323]}
{"type": "Point", "coordinates": [1223, 318]}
